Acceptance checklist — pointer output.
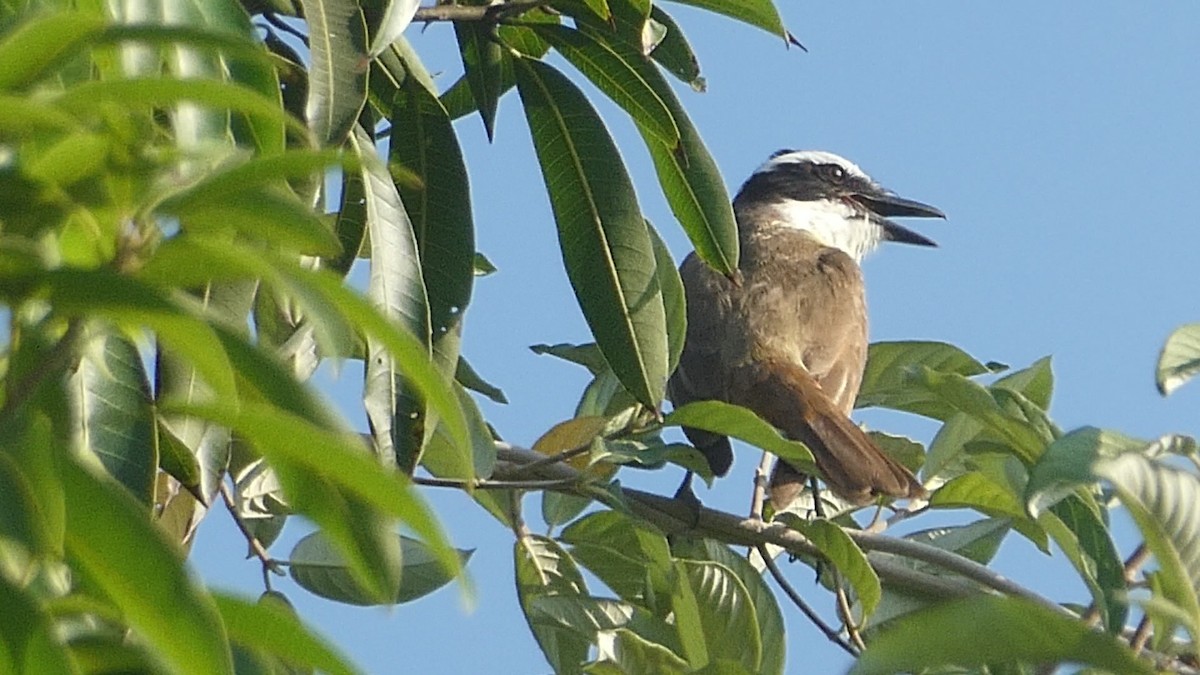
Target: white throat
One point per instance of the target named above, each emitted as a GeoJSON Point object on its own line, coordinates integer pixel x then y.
{"type": "Point", "coordinates": [833, 223]}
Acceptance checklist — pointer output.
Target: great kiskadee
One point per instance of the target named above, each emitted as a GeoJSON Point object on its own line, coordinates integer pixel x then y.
{"type": "Point", "coordinates": [786, 336]}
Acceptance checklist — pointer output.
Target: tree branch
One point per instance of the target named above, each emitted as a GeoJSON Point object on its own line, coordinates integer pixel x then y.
{"type": "Point", "coordinates": [486, 13]}
{"type": "Point", "coordinates": [672, 516]}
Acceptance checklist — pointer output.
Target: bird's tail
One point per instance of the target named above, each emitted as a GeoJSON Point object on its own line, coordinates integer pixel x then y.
{"type": "Point", "coordinates": [788, 397]}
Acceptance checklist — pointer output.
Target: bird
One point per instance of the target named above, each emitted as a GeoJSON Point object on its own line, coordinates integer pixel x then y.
{"type": "Point", "coordinates": [785, 334]}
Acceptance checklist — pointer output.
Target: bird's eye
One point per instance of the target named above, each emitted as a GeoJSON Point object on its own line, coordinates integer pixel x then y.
{"type": "Point", "coordinates": [833, 173]}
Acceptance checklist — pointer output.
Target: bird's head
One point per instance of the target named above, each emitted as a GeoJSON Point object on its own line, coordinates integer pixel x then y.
{"type": "Point", "coordinates": [831, 198]}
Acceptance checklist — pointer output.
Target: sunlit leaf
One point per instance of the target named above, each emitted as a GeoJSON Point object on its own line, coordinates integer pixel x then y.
{"type": "Point", "coordinates": [628, 555]}
{"type": "Point", "coordinates": [674, 53]}
{"type": "Point", "coordinates": [543, 568]}
{"type": "Point", "coordinates": [603, 237]}
{"type": "Point", "coordinates": [988, 630]}
{"type": "Point", "coordinates": [1180, 358]}
{"type": "Point", "coordinates": [337, 78]}
{"type": "Point", "coordinates": [396, 17]}
{"type": "Point", "coordinates": [742, 424]}
{"type": "Point", "coordinates": [274, 630]}
{"type": "Point", "coordinates": [481, 57]}
{"type": "Point", "coordinates": [889, 365]}
{"type": "Point", "coordinates": [28, 642]}
{"type": "Point", "coordinates": [725, 613]}
{"type": "Point", "coordinates": [37, 45]}
{"type": "Point", "coordinates": [759, 13]}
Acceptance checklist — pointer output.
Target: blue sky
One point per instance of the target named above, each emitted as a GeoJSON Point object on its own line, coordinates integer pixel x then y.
{"type": "Point", "coordinates": [1061, 141]}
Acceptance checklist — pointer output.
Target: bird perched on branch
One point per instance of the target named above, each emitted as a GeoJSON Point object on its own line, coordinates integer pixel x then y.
{"type": "Point", "coordinates": [787, 336]}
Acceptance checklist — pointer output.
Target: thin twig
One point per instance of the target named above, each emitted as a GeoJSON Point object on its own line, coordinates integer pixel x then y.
{"type": "Point", "coordinates": [843, 605]}
{"type": "Point", "coordinates": [1141, 636]}
{"type": "Point", "coordinates": [802, 605]}
{"type": "Point", "coordinates": [486, 13]}
{"type": "Point", "coordinates": [758, 498]}
{"type": "Point", "coordinates": [269, 564]}
{"type": "Point", "coordinates": [554, 484]}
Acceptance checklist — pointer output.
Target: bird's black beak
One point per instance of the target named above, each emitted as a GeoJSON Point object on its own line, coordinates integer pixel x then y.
{"type": "Point", "coordinates": [885, 205]}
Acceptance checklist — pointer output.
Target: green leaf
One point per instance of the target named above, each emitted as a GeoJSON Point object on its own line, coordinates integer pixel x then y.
{"type": "Point", "coordinates": [39, 44]}
{"type": "Point", "coordinates": [1160, 498]}
{"type": "Point", "coordinates": [758, 13]}
{"type": "Point", "coordinates": [396, 17]}
{"type": "Point", "coordinates": [543, 568]}
{"type": "Point", "coordinates": [674, 53]}
{"type": "Point", "coordinates": [978, 541]}
{"type": "Point", "coordinates": [152, 589]}
{"type": "Point", "coordinates": [674, 299]}
{"type": "Point", "coordinates": [465, 375]}
{"type": "Point", "coordinates": [337, 78]}
{"type": "Point", "coordinates": [628, 555]}
{"type": "Point", "coordinates": [398, 291]}
{"type": "Point", "coordinates": [351, 223]}
{"type": "Point", "coordinates": [1036, 382]}
{"type": "Point", "coordinates": [725, 613]}
{"type": "Point", "coordinates": [960, 394]}
{"type": "Point", "coordinates": [443, 460]}
{"type": "Point", "coordinates": [742, 424]}
{"type": "Point", "coordinates": [634, 654]}
{"type": "Point", "coordinates": [840, 550]}
{"type": "Point", "coordinates": [986, 630]}
{"type": "Point", "coordinates": [1179, 360]}
{"type": "Point", "coordinates": [177, 460]}
{"type": "Point", "coordinates": [113, 420]}
{"type": "Point", "coordinates": [270, 628]}
{"type": "Point", "coordinates": [605, 244]}
{"type": "Point", "coordinates": [329, 477]}
{"type": "Point", "coordinates": [28, 643]}
{"type": "Point", "coordinates": [616, 78]}
{"type": "Point", "coordinates": [587, 355]}
{"type": "Point", "coordinates": [481, 57]}
{"type": "Point", "coordinates": [889, 365]}
{"type": "Point", "coordinates": [766, 609]}
{"type": "Point", "coordinates": [423, 141]}
{"type": "Point", "coordinates": [1082, 534]}
{"type": "Point", "coordinates": [317, 566]}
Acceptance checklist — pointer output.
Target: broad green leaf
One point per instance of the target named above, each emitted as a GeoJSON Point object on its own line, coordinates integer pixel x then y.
{"type": "Point", "coordinates": [605, 244]}
{"type": "Point", "coordinates": [152, 589]}
{"type": "Point", "coordinates": [423, 141]}
{"type": "Point", "coordinates": [351, 223]}
{"type": "Point", "coordinates": [766, 609]}
{"type": "Point", "coordinates": [20, 520]}
{"type": "Point", "coordinates": [111, 409]}
{"type": "Point", "coordinates": [759, 13]}
{"type": "Point", "coordinates": [889, 364]}
{"type": "Point", "coordinates": [481, 58]}
{"type": "Point", "coordinates": [40, 43]}
{"type": "Point", "coordinates": [337, 78]}
{"type": "Point", "coordinates": [616, 78]}
{"type": "Point", "coordinates": [587, 355]}
{"type": "Point", "coordinates": [465, 375]}
{"type": "Point", "coordinates": [674, 300]}
{"type": "Point", "coordinates": [1035, 383]}
{"type": "Point", "coordinates": [543, 568]}
{"type": "Point", "coordinates": [628, 555]}
{"type": "Point", "coordinates": [1179, 360]}
{"type": "Point", "coordinates": [840, 550]}
{"type": "Point", "coordinates": [589, 617]}
{"type": "Point", "coordinates": [396, 17]}
{"type": "Point", "coordinates": [674, 53]}
{"type": "Point", "coordinates": [28, 643]}
{"type": "Point", "coordinates": [443, 461]}
{"type": "Point", "coordinates": [988, 630]}
{"type": "Point", "coordinates": [742, 424]}
{"type": "Point", "coordinates": [1082, 534]}
{"type": "Point", "coordinates": [1158, 496]}
{"type": "Point", "coordinates": [978, 541]}
{"type": "Point", "coordinates": [152, 92]}
{"type": "Point", "coordinates": [176, 459]}
{"type": "Point", "coordinates": [900, 448]}
{"type": "Point", "coordinates": [397, 290]}
{"type": "Point", "coordinates": [725, 612]}
{"type": "Point", "coordinates": [272, 629]}
{"type": "Point", "coordinates": [329, 477]}
{"type": "Point", "coordinates": [960, 394]}
{"type": "Point", "coordinates": [317, 566]}
{"type": "Point", "coordinates": [634, 654]}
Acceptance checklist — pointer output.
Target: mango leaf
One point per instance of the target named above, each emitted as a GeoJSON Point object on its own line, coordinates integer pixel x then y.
{"type": "Point", "coordinates": [1179, 360]}
{"type": "Point", "coordinates": [674, 300]}
{"type": "Point", "coordinates": [988, 630]}
{"type": "Point", "coordinates": [317, 566]}
{"type": "Point", "coordinates": [337, 78]}
{"type": "Point", "coordinates": [889, 364]}
{"type": "Point", "coordinates": [271, 628]}
{"type": "Point", "coordinates": [742, 424]}
{"type": "Point", "coordinates": [766, 609]}
{"type": "Point", "coordinates": [617, 79]}
{"type": "Point", "coordinates": [543, 569]}
{"type": "Point", "coordinates": [465, 375]}
{"type": "Point", "coordinates": [396, 17]}
{"type": "Point", "coordinates": [605, 244]}
{"type": "Point", "coordinates": [587, 355]}
{"type": "Point", "coordinates": [481, 57]}
{"type": "Point", "coordinates": [674, 53]}
{"type": "Point", "coordinates": [152, 589]}
{"type": "Point", "coordinates": [725, 614]}
{"type": "Point", "coordinates": [758, 13]}
{"type": "Point", "coordinates": [1160, 497]}
{"type": "Point", "coordinates": [110, 394]}
{"type": "Point", "coordinates": [423, 141]}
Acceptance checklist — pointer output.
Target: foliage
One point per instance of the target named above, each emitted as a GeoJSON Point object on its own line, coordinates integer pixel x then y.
{"type": "Point", "coordinates": [182, 194]}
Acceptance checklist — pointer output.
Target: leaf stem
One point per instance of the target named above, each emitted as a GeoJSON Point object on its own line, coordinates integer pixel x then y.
{"type": "Point", "coordinates": [269, 564]}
